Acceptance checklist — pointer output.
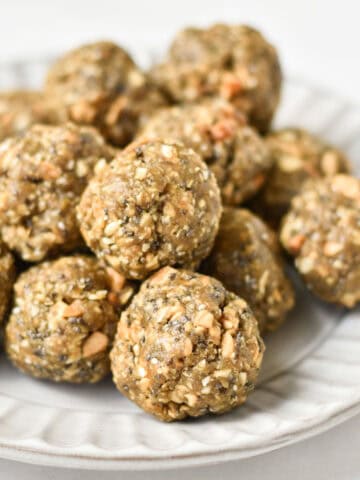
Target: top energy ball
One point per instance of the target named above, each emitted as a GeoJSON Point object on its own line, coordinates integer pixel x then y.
{"type": "Point", "coordinates": [155, 204]}
{"type": "Point", "coordinates": [234, 62]}
{"type": "Point", "coordinates": [99, 84]}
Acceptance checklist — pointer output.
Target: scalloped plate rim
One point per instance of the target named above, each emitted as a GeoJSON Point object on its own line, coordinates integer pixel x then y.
{"type": "Point", "coordinates": [51, 455]}
{"type": "Point", "coordinates": [36, 457]}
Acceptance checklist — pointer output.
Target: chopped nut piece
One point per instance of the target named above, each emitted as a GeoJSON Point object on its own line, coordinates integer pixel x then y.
{"type": "Point", "coordinates": [96, 343]}
{"type": "Point", "coordinates": [330, 163]}
{"type": "Point", "coordinates": [332, 248]}
{"type": "Point", "coordinates": [75, 309]}
{"type": "Point", "coordinates": [163, 275]}
{"type": "Point", "coordinates": [117, 280]}
{"type": "Point", "coordinates": [167, 151]}
{"type": "Point", "coordinates": [140, 173]}
{"type": "Point", "coordinates": [227, 345]}
{"type": "Point", "coordinates": [306, 264]}
{"type": "Point", "coordinates": [215, 334]}
{"type": "Point", "coordinates": [191, 399]}
{"type": "Point", "coordinates": [226, 372]}
{"type": "Point", "coordinates": [296, 243]}
{"type": "Point", "coordinates": [188, 348]}
{"type": "Point", "coordinates": [243, 378]}
{"type": "Point", "coordinates": [111, 228]}
{"type": "Point", "coordinates": [346, 185]}
{"type": "Point", "coordinates": [205, 319]}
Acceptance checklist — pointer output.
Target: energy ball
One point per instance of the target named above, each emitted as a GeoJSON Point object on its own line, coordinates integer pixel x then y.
{"type": "Point", "coordinates": [235, 153]}
{"type": "Point", "coordinates": [7, 278]}
{"type": "Point", "coordinates": [322, 232]}
{"type": "Point", "coordinates": [62, 326]}
{"type": "Point", "coordinates": [297, 155]}
{"type": "Point", "coordinates": [19, 109]}
{"type": "Point", "coordinates": [186, 347]}
{"type": "Point", "coordinates": [99, 84]}
{"type": "Point", "coordinates": [246, 259]}
{"type": "Point", "coordinates": [155, 204]}
{"type": "Point", "coordinates": [42, 175]}
{"type": "Point", "coordinates": [234, 62]}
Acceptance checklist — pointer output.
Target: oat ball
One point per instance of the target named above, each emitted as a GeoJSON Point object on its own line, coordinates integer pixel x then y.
{"type": "Point", "coordinates": [62, 326]}
{"type": "Point", "coordinates": [19, 109]}
{"type": "Point", "coordinates": [234, 62]}
{"type": "Point", "coordinates": [297, 156]}
{"type": "Point", "coordinates": [42, 175]}
{"type": "Point", "coordinates": [99, 84]}
{"type": "Point", "coordinates": [7, 278]}
{"type": "Point", "coordinates": [246, 259]}
{"type": "Point", "coordinates": [322, 232]}
{"type": "Point", "coordinates": [156, 204]}
{"type": "Point", "coordinates": [186, 347]}
{"type": "Point", "coordinates": [235, 153]}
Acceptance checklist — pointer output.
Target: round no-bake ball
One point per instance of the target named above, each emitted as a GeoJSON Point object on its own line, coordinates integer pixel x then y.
{"type": "Point", "coordinates": [235, 153]}
{"type": "Point", "coordinates": [234, 62]}
{"type": "Point", "coordinates": [297, 156]}
{"type": "Point", "coordinates": [99, 84]}
{"type": "Point", "coordinates": [246, 259]}
{"type": "Point", "coordinates": [186, 347]}
{"type": "Point", "coordinates": [156, 204]}
{"type": "Point", "coordinates": [322, 232]}
{"type": "Point", "coordinates": [7, 278]}
{"type": "Point", "coordinates": [42, 175]}
{"type": "Point", "coordinates": [19, 109]}
{"type": "Point", "coordinates": [62, 326]}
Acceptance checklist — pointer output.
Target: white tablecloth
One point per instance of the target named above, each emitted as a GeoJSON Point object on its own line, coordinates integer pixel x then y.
{"type": "Point", "coordinates": [319, 41]}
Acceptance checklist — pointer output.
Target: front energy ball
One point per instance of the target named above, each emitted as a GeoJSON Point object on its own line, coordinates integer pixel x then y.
{"type": "Point", "coordinates": [42, 175]}
{"type": "Point", "coordinates": [235, 152]}
{"type": "Point", "coordinates": [234, 62]}
{"type": "Point", "coordinates": [62, 326]}
{"type": "Point", "coordinates": [246, 258]}
{"type": "Point", "coordinates": [7, 278]}
{"type": "Point", "coordinates": [99, 84]}
{"type": "Point", "coordinates": [322, 232]}
{"type": "Point", "coordinates": [155, 204]}
{"type": "Point", "coordinates": [186, 347]}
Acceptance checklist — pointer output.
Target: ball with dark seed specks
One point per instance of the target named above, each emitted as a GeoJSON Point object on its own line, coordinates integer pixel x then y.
{"type": "Point", "coordinates": [62, 324]}
{"type": "Point", "coordinates": [156, 204]}
{"type": "Point", "coordinates": [186, 347]}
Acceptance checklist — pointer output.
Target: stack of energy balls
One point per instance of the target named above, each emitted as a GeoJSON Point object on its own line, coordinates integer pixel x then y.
{"type": "Point", "coordinates": [136, 207]}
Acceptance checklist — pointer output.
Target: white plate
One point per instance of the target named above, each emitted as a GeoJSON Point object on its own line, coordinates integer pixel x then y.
{"type": "Point", "coordinates": [309, 383]}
